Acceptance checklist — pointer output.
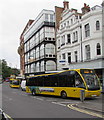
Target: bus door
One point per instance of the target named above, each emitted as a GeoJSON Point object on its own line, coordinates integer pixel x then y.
{"type": "Point", "coordinates": [77, 84]}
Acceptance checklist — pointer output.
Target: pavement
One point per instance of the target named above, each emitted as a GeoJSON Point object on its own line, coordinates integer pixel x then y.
{"type": "Point", "coordinates": [95, 105]}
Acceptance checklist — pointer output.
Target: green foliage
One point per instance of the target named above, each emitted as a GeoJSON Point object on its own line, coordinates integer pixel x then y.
{"type": "Point", "coordinates": [6, 70]}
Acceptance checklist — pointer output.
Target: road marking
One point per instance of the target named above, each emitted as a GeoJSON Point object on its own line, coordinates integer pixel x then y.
{"type": "Point", "coordinates": [10, 99]}
{"type": "Point", "coordinates": [33, 97]}
{"type": "Point", "coordinates": [8, 116]}
{"type": "Point", "coordinates": [38, 98]}
{"type": "Point", "coordinates": [7, 98]}
{"type": "Point", "coordinates": [69, 102]}
{"type": "Point", "coordinates": [24, 94]}
{"type": "Point", "coordinates": [84, 111]}
{"type": "Point", "coordinates": [51, 100]}
{"type": "Point", "coordinates": [58, 103]}
{"type": "Point", "coordinates": [14, 92]}
{"type": "Point", "coordinates": [91, 108]}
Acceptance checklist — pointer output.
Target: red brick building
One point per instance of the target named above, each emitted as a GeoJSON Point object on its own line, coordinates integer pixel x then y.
{"type": "Point", "coordinates": [21, 48]}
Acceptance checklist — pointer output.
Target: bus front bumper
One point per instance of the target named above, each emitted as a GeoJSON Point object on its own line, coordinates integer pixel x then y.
{"type": "Point", "coordinates": [89, 94]}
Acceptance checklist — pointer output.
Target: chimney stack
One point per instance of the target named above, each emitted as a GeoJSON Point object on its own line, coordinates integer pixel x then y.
{"type": "Point", "coordinates": [85, 9]}
{"type": "Point", "coordinates": [66, 5]}
{"type": "Point", "coordinates": [102, 4]}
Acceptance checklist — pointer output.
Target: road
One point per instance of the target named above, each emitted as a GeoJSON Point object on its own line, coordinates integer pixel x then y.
{"type": "Point", "coordinates": [19, 104]}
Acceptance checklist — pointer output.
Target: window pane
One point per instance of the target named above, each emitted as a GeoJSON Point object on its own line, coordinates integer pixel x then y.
{"type": "Point", "coordinates": [87, 30]}
{"type": "Point", "coordinates": [76, 57]}
{"type": "Point", "coordinates": [46, 17]}
{"type": "Point", "coordinates": [63, 56]}
{"type": "Point", "coordinates": [69, 57]}
{"type": "Point", "coordinates": [98, 49]}
{"type": "Point", "coordinates": [68, 38]}
{"type": "Point", "coordinates": [87, 49]}
{"type": "Point", "coordinates": [97, 25]}
{"type": "Point", "coordinates": [51, 18]}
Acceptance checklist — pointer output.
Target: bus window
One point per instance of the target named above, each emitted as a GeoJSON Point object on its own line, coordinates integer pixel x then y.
{"type": "Point", "coordinates": [40, 81]}
{"type": "Point", "coordinates": [15, 82]}
{"type": "Point", "coordinates": [78, 81]}
{"type": "Point", "coordinates": [69, 78]}
{"type": "Point", "coordinates": [46, 81]}
{"type": "Point", "coordinates": [62, 80]}
{"type": "Point", "coordinates": [71, 81]}
{"type": "Point", "coordinates": [54, 81]}
{"type": "Point", "coordinates": [35, 81]}
{"type": "Point", "coordinates": [27, 82]}
{"type": "Point", "coordinates": [10, 82]}
{"type": "Point", "coordinates": [31, 81]}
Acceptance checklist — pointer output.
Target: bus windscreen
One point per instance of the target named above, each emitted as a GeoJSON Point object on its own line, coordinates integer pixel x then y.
{"type": "Point", "coordinates": [91, 79]}
{"type": "Point", "coordinates": [15, 82]}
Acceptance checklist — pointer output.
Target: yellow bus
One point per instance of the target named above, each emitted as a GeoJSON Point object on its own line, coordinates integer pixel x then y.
{"type": "Point", "coordinates": [14, 83]}
{"type": "Point", "coordinates": [68, 83]}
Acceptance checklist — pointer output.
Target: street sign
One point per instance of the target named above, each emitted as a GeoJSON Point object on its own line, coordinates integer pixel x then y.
{"type": "Point", "coordinates": [62, 61]}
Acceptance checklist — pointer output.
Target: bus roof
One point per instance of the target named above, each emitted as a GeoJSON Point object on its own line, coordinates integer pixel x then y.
{"type": "Point", "coordinates": [53, 73]}
{"type": "Point", "coordinates": [56, 72]}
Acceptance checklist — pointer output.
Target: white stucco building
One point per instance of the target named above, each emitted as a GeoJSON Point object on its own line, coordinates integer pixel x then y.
{"type": "Point", "coordinates": [79, 40]}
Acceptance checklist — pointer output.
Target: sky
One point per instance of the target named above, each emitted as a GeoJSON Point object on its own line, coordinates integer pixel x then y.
{"type": "Point", "coordinates": [14, 15]}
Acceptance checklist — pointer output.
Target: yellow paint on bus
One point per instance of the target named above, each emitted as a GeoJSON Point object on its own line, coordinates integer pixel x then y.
{"type": "Point", "coordinates": [67, 83]}
{"type": "Point", "coordinates": [14, 83]}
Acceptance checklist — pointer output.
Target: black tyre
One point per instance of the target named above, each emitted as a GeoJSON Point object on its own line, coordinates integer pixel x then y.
{"type": "Point", "coordinates": [63, 94]}
{"type": "Point", "coordinates": [33, 92]}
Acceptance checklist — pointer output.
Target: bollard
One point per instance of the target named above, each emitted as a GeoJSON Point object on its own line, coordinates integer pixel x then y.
{"type": "Point", "coordinates": [82, 95]}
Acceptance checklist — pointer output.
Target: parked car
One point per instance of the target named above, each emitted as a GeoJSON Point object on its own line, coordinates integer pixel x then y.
{"type": "Point", "coordinates": [7, 79]}
{"type": "Point", "coordinates": [23, 85]}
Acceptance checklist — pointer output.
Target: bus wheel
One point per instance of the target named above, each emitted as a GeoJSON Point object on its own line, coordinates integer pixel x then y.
{"type": "Point", "coordinates": [33, 92]}
{"type": "Point", "coordinates": [63, 94]}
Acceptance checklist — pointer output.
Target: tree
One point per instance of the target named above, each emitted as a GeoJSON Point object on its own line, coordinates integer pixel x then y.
{"type": "Point", "coordinates": [7, 71]}
{"type": "Point", "coordinates": [15, 71]}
